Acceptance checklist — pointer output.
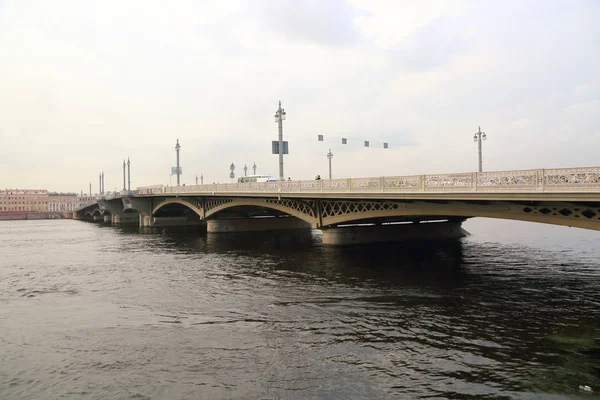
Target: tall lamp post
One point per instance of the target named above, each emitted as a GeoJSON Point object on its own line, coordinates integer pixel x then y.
{"type": "Point", "coordinates": [124, 184]}
{"type": "Point", "coordinates": [128, 174]}
{"type": "Point", "coordinates": [254, 168]}
{"type": "Point", "coordinates": [330, 156]}
{"type": "Point", "coordinates": [177, 169]}
{"type": "Point", "coordinates": [245, 170]}
{"type": "Point", "coordinates": [177, 148]}
{"type": "Point", "coordinates": [478, 137]}
{"type": "Point", "coordinates": [279, 117]}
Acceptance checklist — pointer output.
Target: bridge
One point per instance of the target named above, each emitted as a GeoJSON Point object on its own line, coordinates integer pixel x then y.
{"type": "Point", "coordinates": [364, 210]}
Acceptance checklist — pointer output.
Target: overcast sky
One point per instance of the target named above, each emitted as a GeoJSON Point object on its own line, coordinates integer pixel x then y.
{"type": "Point", "coordinates": [85, 84]}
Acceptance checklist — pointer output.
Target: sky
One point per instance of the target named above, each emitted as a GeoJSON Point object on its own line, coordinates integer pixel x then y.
{"type": "Point", "coordinates": [85, 85]}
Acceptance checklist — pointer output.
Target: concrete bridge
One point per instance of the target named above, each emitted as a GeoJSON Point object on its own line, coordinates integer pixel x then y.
{"type": "Point", "coordinates": [362, 210]}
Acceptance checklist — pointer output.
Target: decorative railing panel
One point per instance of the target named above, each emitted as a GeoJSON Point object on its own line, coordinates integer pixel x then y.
{"type": "Point", "coordinates": [335, 185]}
{"type": "Point", "coordinates": [402, 183]}
{"type": "Point", "coordinates": [510, 180]}
{"type": "Point", "coordinates": [536, 180]}
{"type": "Point", "coordinates": [310, 186]}
{"type": "Point", "coordinates": [365, 184]}
{"type": "Point", "coordinates": [290, 186]}
{"type": "Point", "coordinates": [573, 178]}
{"type": "Point", "coordinates": [448, 182]}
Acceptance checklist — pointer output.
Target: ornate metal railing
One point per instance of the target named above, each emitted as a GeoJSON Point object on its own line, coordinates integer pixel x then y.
{"type": "Point", "coordinates": [534, 180]}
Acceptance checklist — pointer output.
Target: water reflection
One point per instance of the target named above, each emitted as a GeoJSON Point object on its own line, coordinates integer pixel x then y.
{"type": "Point", "coordinates": [172, 313]}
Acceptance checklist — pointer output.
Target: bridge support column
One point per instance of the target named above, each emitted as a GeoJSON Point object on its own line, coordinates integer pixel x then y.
{"type": "Point", "coordinates": [115, 219]}
{"type": "Point", "coordinates": [107, 218]}
{"type": "Point", "coordinates": [390, 233]}
{"type": "Point", "coordinates": [254, 224]}
{"type": "Point", "coordinates": [145, 220]}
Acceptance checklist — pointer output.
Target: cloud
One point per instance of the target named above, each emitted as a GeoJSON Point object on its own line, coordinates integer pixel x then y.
{"type": "Point", "coordinates": [431, 46]}
{"type": "Point", "coordinates": [327, 23]}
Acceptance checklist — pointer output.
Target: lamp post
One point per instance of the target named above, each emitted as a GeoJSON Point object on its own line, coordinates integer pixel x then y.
{"type": "Point", "coordinates": [254, 168]}
{"type": "Point", "coordinates": [178, 171]}
{"type": "Point", "coordinates": [201, 179]}
{"type": "Point", "coordinates": [196, 179]}
{"type": "Point", "coordinates": [124, 165]}
{"type": "Point", "coordinates": [245, 169]}
{"type": "Point", "coordinates": [478, 137]}
{"type": "Point", "coordinates": [279, 117]}
{"type": "Point", "coordinates": [232, 174]}
{"type": "Point", "coordinates": [330, 156]}
{"type": "Point", "coordinates": [128, 174]}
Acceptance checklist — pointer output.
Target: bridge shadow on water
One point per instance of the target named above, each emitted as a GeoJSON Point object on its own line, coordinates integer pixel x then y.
{"type": "Point", "coordinates": [418, 261]}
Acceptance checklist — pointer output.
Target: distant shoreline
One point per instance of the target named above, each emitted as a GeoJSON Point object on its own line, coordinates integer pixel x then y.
{"type": "Point", "coordinates": [34, 215]}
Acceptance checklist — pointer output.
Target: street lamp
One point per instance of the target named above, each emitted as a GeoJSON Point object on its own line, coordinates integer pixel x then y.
{"type": "Point", "coordinates": [128, 174]}
{"type": "Point", "coordinates": [279, 117]}
{"type": "Point", "coordinates": [330, 156]}
{"type": "Point", "coordinates": [254, 168]}
{"type": "Point", "coordinates": [178, 170]}
{"type": "Point", "coordinates": [478, 137]}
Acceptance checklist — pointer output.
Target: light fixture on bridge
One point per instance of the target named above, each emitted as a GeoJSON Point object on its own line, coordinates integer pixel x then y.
{"type": "Point", "coordinates": [279, 114]}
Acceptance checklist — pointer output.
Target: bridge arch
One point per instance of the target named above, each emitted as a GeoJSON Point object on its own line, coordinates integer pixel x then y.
{"type": "Point", "coordinates": [303, 210]}
{"type": "Point", "coordinates": [191, 203]}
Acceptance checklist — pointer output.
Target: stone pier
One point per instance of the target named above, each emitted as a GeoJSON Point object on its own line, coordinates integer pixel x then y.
{"type": "Point", "coordinates": [349, 235]}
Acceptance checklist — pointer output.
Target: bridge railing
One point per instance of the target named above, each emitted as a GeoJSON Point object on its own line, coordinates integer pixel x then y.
{"type": "Point", "coordinates": [546, 180]}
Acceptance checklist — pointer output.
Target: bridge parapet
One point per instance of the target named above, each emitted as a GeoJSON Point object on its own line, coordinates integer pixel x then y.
{"type": "Point", "coordinates": [535, 180]}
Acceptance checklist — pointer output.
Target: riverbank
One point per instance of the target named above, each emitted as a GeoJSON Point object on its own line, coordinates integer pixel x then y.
{"type": "Point", "coordinates": [15, 216]}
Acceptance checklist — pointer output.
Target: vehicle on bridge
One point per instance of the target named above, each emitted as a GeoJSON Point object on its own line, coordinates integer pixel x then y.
{"type": "Point", "coordinates": [257, 178]}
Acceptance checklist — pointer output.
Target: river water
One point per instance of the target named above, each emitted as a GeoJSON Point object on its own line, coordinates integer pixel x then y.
{"type": "Point", "coordinates": [97, 312]}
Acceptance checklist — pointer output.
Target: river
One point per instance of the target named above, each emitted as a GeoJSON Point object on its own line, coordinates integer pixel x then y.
{"type": "Point", "coordinates": [97, 312]}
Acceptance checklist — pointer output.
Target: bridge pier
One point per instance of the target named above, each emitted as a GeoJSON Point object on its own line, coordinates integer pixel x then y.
{"type": "Point", "coordinates": [254, 224]}
{"type": "Point", "coordinates": [145, 220]}
{"type": "Point", "coordinates": [349, 235]}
